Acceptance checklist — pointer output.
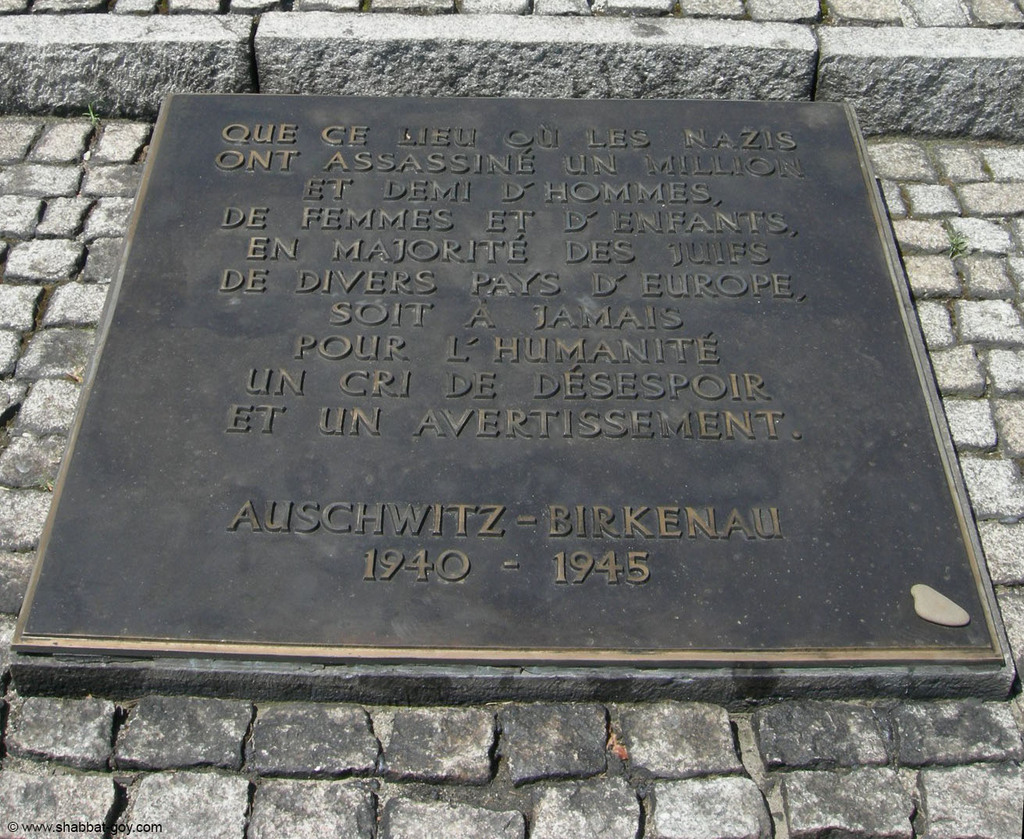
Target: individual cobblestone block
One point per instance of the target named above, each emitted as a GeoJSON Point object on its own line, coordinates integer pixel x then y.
{"type": "Point", "coordinates": [893, 199]}
{"type": "Point", "coordinates": [10, 349]}
{"type": "Point", "coordinates": [134, 7]}
{"type": "Point", "coordinates": [413, 7]}
{"type": "Point", "coordinates": [712, 8]}
{"type": "Point", "coordinates": [12, 394]}
{"type": "Point", "coordinates": [994, 487]}
{"type": "Point", "coordinates": [6, 636]}
{"type": "Point", "coordinates": [55, 799]}
{"type": "Point", "coordinates": [1015, 266]}
{"type": "Point", "coordinates": [49, 407]}
{"type": "Point", "coordinates": [678, 740]}
{"type": "Point", "coordinates": [950, 733]}
{"type": "Point", "coordinates": [75, 304]}
{"type": "Point", "coordinates": [120, 142]}
{"type": "Point", "coordinates": [865, 11]}
{"type": "Point", "coordinates": [939, 81]}
{"type": "Point", "coordinates": [193, 7]}
{"type": "Point", "coordinates": [932, 276]}
{"type": "Point", "coordinates": [1004, 546]}
{"type": "Point", "coordinates": [976, 801]}
{"type": "Point", "coordinates": [75, 732]}
{"type": "Point", "coordinates": [195, 804]}
{"type": "Point", "coordinates": [354, 6]}
{"type": "Point", "coordinates": [820, 735]}
{"type": "Point", "coordinates": [790, 11]}
{"type": "Point", "coordinates": [959, 164]}
{"type": "Point", "coordinates": [1006, 371]}
{"type": "Point", "coordinates": [930, 200]}
{"type": "Point", "coordinates": [1005, 164]}
{"type": "Point", "coordinates": [919, 236]}
{"type": "Point", "coordinates": [102, 258]}
{"type": "Point", "coordinates": [22, 515]}
{"type": "Point", "coordinates": [120, 179]}
{"type": "Point", "coordinates": [995, 12]}
{"type": "Point", "coordinates": [439, 745]}
{"type": "Point", "coordinates": [183, 732]}
{"type": "Point", "coordinates": [1011, 607]}
{"type": "Point", "coordinates": [312, 808]}
{"type": "Point", "coordinates": [606, 809]}
{"type": "Point", "coordinates": [992, 199]}
{"type": "Point", "coordinates": [16, 137]}
{"type": "Point", "coordinates": [986, 277]}
{"type": "Point", "coordinates": [702, 808]}
{"type": "Point", "coordinates": [19, 215]}
{"type": "Point", "coordinates": [123, 64]}
{"type": "Point", "coordinates": [991, 322]}
{"type": "Point", "coordinates": [40, 180]}
{"type": "Point", "coordinates": [901, 160]}
{"type": "Point", "coordinates": [405, 819]}
{"type": "Point", "coordinates": [44, 260]}
{"type": "Point", "coordinates": [252, 7]}
{"type": "Point", "coordinates": [63, 217]}
{"type": "Point", "coordinates": [935, 13]}
{"type": "Point", "coordinates": [561, 7]}
{"type": "Point", "coordinates": [9, 7]}
{"type": "Point", "coordinates": [863, 802]}
{"type": "Point", "coordinates": [15, 570]}
{"type": "Point", "coordinates": [306, 740]}
{"type": "Point", "coordinates": [633, 8]}
{"type": "Point", "coordinates": [56, 353]}
{"type": "Point", "coordinates": [981, 235]}
{"type": "Point", "coordinates": [936, 325]}
{"type": "Point", "coordinates": [18, 306]}
{"type": "Point", "coordinates": [468, 55]}
{"type": "Point", "coordinates": [31, 462]}
{"type": "Point", "coordinates": [109, 218]}
{"type": "Point", "coordinates": [971, 424]}
{"type": "Point", "coordinates": [68, 6]}
{"type": "Point", "coordinates": [62, 142]}
{"type": "Point", "coordinates": [553, 741]}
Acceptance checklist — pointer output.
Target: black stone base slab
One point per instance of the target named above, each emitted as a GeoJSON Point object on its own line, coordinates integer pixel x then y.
{"type": "Point", "coordinates": [512, 383]}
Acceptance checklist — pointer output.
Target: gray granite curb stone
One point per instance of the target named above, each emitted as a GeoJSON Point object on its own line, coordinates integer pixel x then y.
{"type": "Point", "coordinates": [937, 81]}
{"type": "Point", "coordinates": [480, 55]}
{"type": "Point", "coordinates": [118, 65]}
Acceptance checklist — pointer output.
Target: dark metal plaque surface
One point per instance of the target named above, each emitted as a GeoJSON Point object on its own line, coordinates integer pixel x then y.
{"type": "Point", "coordinates": [510, 381]}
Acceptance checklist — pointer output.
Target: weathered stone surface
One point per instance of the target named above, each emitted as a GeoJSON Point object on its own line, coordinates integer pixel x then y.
{"type": "Point", "coordinates": [1006, 370]}
{"type": "Point", "coordinates": [987, 278]}
{"type": "Point", "coordinates": [971, 424]}
{"type": "Point", "coordinates": [678, 740]}
{"type": "Point", "coordinates": [101, 261]}
{"type": "Point", "coordinates": [193, 7]}
{"type": "Point", "coordinates": [607, 809]}
{"type": "Point", "coordinates": [992, 322]}
{"type": "Point", "coordinates": [934, 13]}
{"type": "Point", "coordinates": [995, 12]}
{"type": "Point", "coordinates": [1009, 416]}
{"type": "Point", "coordinates": [977, 801]}
{"type": "Point", "coordinates": [920, 236]}
{"type": "Point", "coordinates": [482, 56]}
{"type": "Point", "coordinates": [820, 735]}
{"type": "Point", "coordinates": [709, 808]}
{"type": "Point", "coordinates": [44, 260]}
{"type": "Point", "coordinates": [413, 7]}
{"type": "Point", "coordinates": [404, 819]}
{"type": "Point", "coordinates": [16, 137]}
{"type": "Point", "coordinates": [1011, 607]}
{"type": "Point", "coordinates": [121, 179]}
{"type": "Point", "coordinates": [936, 325]}
{"type": "Point", "coordinates": [791, 11]}
{"type": "Point", "coordinates": [18, 306]}
{"type": "Point", "coordinates": [306, 740]}
{"type": "Point", "coordinates": [338, 6]}
{"type": "Point", "coordinates": [632, 8]}
{"type": "Point", "coordinates": [120, 65]}
{"type": "Point", "coordinates": [54, 353]}
{"type": "Point", "coordinates": [992, 199]}
{"type": "Point", "coordinates": [865, 11]}
{"type": "Point", "coordinates": [75, 304]}
{"type": "Point", "coordinates": [31, 461]}
{"type": "Point", "coordinates": [19, 215]}
{"type": "Point", "coordinates": [190, 804]}
{"type": "Point", "coordinates": [901, 160]}
{"type": "Point", "coordinates": [22, 515]}
{"type": "Point", "coordinates": [1004, 543]}
{"type": "Point", "coordinates": [55, 798]}
{"type": "Point", "coordinates": [931, 200]}
{"type": "Point", "coordinates": [120, 142]}
{"type": "Point", "coordinates": [959, 164]}
{"type": "Point", "coordinates": [863, 802]}
{"type": "Point", "coordinates": [994, 486]}
{"type": "Point", "coordinates": [1005, 164]}
{"type": "Point", "coordinates": [553, 741]}
{"type": "Point", "coordinates": [63, 217]}
{"type": "Point", "coordinates": [932, 276]}
{"type": "Point", "coordinates": [312, 808]}
{"type": "Point", "coordinates": [946, 82]}
{"type": "Point", "coordinates": [15, 570]}
{"type": "Point", "coordinates": [948, 733]}
{"type": "Point", "coordinates": [109, 218]}
{"type": "Point", "coordinates": [62, 142]}
{"type": "Point", "coordinates": [181, 732]}
{"type": "Point", "coordinates": [49, 407]}
{"type": "Point", "coordinates": [563, 8]}
{"type": "Point", "coordinates": [439, 744]}
{"type": "Point", "coordinates": [982, 235]}
{"type": "Point", "coordinates": [712, 8]}
{"type": "Point", "coordinates": [10, 348]}
{"type": "Point", "coordinates": [75, 732]}
{"type": "Point", "coordinates": [134, 7]}
{"type": "Point", "coordinates": [40, 179]}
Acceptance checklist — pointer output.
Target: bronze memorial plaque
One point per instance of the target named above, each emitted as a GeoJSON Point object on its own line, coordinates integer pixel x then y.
{"type": "Point", "coordinates": [511, 381]}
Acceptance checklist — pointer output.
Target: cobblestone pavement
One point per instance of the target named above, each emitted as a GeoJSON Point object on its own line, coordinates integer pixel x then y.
{"type": "Point", "coordinates": [231, 768]}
